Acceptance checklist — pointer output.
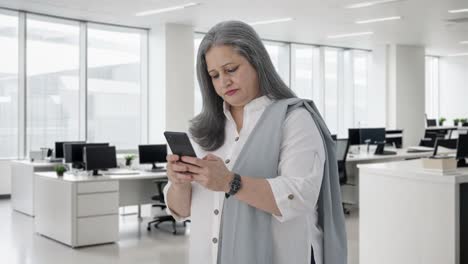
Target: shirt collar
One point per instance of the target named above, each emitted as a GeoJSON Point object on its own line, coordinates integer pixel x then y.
{"type": "Point", "coordinates": [256, 104]}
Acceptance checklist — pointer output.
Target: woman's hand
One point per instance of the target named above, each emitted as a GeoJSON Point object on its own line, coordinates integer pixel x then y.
{"type": "Point", "coordinates": [210, 172]}
{"type": "Point", "coordinates": [177, 172]}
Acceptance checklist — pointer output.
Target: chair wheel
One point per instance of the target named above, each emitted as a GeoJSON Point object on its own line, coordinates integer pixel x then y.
{"type": "Point", "coordinates": [148, 228]}
{"type": "Point", "coordinates": [174, 232]}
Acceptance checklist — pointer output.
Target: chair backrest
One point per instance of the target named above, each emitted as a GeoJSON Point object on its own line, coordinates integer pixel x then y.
{"type": "Point", "coordinates": [431, 122]}
{"type": "Point", "coordinates": [342, 146]}
{"type": "Point", "coordinates": [341, 149]}
{"type": "Point", "coordinates": [160, 183]}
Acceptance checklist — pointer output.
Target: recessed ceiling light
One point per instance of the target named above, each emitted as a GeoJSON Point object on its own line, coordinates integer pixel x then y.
{"type": "Point", "coordinates": [464, 42]}
{"type": "Point", "coordinates": [371, 3]}
{"type": "Point", "coordinates": [279, 20]}
{"type": "Point", "coordinates": [458, 11]}
{"type": "Point", "coordinates": [458, 54]}
{"type": "Point", "coordinates": [163, 10]}
{"type": "Point", "coordinates": [350, 35]}
{"type": "Point", "coordinates": [367, 21]}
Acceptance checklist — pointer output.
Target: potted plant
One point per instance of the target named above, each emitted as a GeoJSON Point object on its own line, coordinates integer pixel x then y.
{"type": "Point", "coordinates": [456, 121]}
{"type": "Point", "coordinates": [463, 121]}
{"type": "Point", "coordinates": [128, 159]}
{"type": "Point", "coordinates": [60, 170]}
{"type": "Point", "coordinates": [441, 121]}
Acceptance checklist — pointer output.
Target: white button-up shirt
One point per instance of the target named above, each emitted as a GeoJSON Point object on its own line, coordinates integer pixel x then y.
{"type": "Point", "coordinates": [296, 189]}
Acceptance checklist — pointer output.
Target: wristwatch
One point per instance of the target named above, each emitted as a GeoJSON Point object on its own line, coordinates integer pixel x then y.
{"type": "Point", "coordinates": [234, 185]}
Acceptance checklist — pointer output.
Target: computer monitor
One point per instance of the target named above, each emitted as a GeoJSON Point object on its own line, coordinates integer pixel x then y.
{"type": "Point", "coordinates": [359, 136]}
{"type": "Point", "coordinates": [152, 154]}
{"type": "Point", "coordinates": [446, 143]}
{"type": "Point", "coordinates": [431, 122]}
{"type": "Point", "coordinates": [59, 148]}
{"type": "Point", "coordinates": [372, 135]}
{"type": "Point", "coordinates": [462, 150]}
{"type": "Point", "coordinates": [99, 158]}
{"type": "Point", "coordinates": [354, 137]}
{"type": "Point", "coordinates": [73, 152]}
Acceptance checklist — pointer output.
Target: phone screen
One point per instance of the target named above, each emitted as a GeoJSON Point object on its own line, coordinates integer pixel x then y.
{"type": "Point", "coordinates": [179, 143]}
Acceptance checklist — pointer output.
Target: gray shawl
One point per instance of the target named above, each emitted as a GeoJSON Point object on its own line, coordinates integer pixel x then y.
{"type": "Point", "coordinates": [245, 235]}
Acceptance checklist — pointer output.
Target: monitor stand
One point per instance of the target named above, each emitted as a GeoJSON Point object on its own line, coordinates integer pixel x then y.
{"type": "Point", "coordinates": [462, 163]}
{"type": "Point", "coordinates": [96, 173]}
{"type": "Point", "coordinates": [156, 168]}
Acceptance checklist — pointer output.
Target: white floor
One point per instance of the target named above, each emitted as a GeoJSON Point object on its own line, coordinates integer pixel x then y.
{"type": "Point", "coordinates": [20, 245]}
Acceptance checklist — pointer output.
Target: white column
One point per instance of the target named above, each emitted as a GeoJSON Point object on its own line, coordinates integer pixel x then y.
{"type": "Point", "coordinates": [377, 87]}
{"type": "Point", "coordinates": [406, 91]}
{"type": "Point", "coordinates": [171, 79]}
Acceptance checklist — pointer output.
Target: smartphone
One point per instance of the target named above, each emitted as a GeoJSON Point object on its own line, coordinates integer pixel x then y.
{"type": "Point", "coordinates": [180, 144]}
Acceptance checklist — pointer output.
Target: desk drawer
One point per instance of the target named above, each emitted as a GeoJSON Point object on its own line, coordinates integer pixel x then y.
{"type": "Point", "coordinates": [97, 204]}
{"type": "Point", "coordinates": [97, 230]}
{"type": "Point", "coordinates": [94, 187]}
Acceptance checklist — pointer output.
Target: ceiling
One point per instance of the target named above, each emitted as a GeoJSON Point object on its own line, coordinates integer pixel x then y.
{"type": "Point", "coordinates": [424, 22]}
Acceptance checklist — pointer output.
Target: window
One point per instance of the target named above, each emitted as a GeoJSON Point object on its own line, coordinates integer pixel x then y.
{"type": "Point", "coordinates": [8, 85]}
{"type": "Point", "coordinates": [198, 96]}
{"type": "Point", "coordinates": [432, 87]}
{"type": "Point", "coordinates": [331, 88]}
{"type": "Point", "coordinates": [115, 92]}
{"type": "Point", "coordinates": [52, 81]}
{"type": "Point", "coordinates": [279, 55]}
{"type": "Point", "coordinates": [302, 68]}
{"type": "Point", "coordinates": [360, 80]}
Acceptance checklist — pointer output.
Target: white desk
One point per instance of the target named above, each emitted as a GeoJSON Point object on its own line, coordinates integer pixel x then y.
{"type": "Point", "coordinates": [410, 215]}
{"type": "Point", "coordinates": [22, 183]}
{"type": "Point", "coordinates": [350, 191]}
{"type": "Point", "coordinates": [83, 210]}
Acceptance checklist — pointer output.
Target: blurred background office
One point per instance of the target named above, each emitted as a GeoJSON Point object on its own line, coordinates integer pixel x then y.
{"type": "Point", "coordinates": [393, 73]}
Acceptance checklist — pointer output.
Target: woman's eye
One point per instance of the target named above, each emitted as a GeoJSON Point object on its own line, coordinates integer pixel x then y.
{"type": "Point", "coordinates": [232, 70]}
{"type": "Point", "coordinates": [214, 76]}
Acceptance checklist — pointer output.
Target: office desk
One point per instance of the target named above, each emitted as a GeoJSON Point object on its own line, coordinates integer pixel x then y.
{"type": "Point", "coordinates": [350, 191]}
{"type": "Point", "coordinates": [83, 210]}
{"type": "Point", "coordinates": [412, 215]}
{"type": "Point", "coordinates": [22, 183]}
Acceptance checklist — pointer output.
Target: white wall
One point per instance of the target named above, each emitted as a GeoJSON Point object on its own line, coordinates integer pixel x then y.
{"type": "Point", "coordinates": [5, 177]}
{"type": "Point", "coordinates": [453, 91]}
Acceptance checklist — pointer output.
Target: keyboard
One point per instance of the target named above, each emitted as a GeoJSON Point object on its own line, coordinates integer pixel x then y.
{"type": "Point", "coordinates": [419, 149]}
{"type": "Point", "coordinates": [120, 172]}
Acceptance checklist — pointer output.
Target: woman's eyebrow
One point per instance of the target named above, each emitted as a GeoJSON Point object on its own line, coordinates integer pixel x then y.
{"type": "Point", "coordinates": [222, 66]}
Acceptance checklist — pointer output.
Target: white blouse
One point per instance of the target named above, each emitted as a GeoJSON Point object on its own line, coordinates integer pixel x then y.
{"type": "Point", "coordinates": [296, 189]}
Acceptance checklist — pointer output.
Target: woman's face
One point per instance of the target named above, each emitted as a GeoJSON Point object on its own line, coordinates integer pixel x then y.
{"type": "Point", "coordinates": [234, 79]}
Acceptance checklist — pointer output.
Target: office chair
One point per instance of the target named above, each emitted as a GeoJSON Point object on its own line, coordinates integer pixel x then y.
{"type": "Point", "coordinates": [430, 138]}
{"type": "Point", "coordinates": [342, 147]}
{"type": "Point", "coordinates": [465, 124]}
{"type": "Point", "coordinates": [160, 202]}
{"type": "Point", "coordinates": [446, 143]}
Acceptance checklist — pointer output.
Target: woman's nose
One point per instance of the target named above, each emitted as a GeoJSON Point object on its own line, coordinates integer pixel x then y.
{"type": "Point", "coordinates": [226, 81]}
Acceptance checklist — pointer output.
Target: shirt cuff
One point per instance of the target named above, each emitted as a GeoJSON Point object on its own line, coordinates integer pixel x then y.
{"type": "Point", "coordinates": [168, 210]}
{"type": "Point", "coordinates": [290, 203]}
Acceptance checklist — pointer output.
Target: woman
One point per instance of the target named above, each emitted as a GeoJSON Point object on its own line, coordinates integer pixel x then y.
{"type": "Point", "coordinates": [253, 196]}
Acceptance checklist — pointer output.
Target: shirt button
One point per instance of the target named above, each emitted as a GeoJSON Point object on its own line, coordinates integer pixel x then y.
{"type": "Point", "coordinates": [216, 212]}
{"type": "Point", "coordinates": [227, 161]}
{"type": "Point", "coordinates": [236, 139]}
{"type": "Point", "coordinates": [290, 197]}
{"type": "Point", "coordinates": [215, 240]}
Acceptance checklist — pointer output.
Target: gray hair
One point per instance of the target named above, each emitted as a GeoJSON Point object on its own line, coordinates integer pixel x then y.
{"type": "Point", "coordinates": [207, 128]}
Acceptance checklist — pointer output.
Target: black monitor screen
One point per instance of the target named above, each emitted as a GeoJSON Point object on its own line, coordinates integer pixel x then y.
{"type": "Point", "coordinates": [358, 136]}
{"type": "Point", "coordinates": [354, 136]}
{"type": "Point", "coordinates": [73, 152]}
{"type": "Point", "coordinates": [99, 157]}
{"type": "Point", "coordinates": [462, 146]}
{"type": "Point", "coordinates": [59, 153]}
{"type": "Point", "coordinates": [152, 153]}
{"type": "Point", "coordinates": [372, 135]}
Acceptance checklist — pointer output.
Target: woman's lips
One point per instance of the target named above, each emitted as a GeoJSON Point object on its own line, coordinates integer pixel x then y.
{"type": "Point", "coordinates": [231, 92]}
